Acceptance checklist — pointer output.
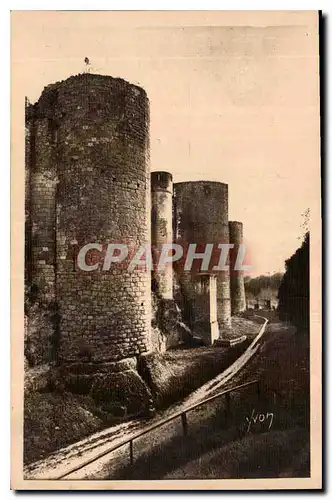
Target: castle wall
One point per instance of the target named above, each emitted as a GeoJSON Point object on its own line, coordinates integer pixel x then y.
{"type": "Point", "coordinates": [201, 217]}
{"type": "Point", "coordinates": [237, 277]}
{"type": "Point", "coordinates": [43, 182]}
{"type": "Point", "coordinates": [223, 301]}
{"type": "Point", "coordinates": [162, 229]}
{"type": "Point", "coordinates": [205, 304]}
{"type": "Point", "coordinates": [40, 252]}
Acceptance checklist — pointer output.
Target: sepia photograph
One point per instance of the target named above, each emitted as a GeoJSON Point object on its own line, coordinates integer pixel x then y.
{"type": "Point", "coordinates": [166, 250]}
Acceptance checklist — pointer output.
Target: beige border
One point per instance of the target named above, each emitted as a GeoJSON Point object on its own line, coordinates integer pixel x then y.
{"type": "Point", "coordinates": [19, 19]}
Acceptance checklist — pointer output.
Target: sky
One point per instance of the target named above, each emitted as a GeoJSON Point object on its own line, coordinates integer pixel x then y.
{"type": "Point", "coordinates": [235, 102]}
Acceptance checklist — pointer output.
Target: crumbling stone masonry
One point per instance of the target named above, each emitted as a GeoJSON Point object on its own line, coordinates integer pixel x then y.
{"type": "Point", "coordinates": [201, 217]}
{"type": "Point", "coordinates": [162, 229]}
{"type": "Point", "coordinates": [89, 182]}
{"type": "Point", "coordinates": [237, 277]}
{"type": "Point", "coordinates": [168, 329]}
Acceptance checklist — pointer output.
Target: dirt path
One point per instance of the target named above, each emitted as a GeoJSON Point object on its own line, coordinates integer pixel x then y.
{"type": "Point", "coordinates": [266, 434]}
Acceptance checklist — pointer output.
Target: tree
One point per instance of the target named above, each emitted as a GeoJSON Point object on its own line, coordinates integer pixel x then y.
{"type": "Point", "coordinates": [294, 297]}
{"type": "Point", "coordinates": [255, 286]}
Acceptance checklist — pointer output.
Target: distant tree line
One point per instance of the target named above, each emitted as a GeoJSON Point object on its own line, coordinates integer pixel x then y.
{"type": "Point", "coordinates": [294, 288]}
{"type": "Point", "coordinates": [254, 286]}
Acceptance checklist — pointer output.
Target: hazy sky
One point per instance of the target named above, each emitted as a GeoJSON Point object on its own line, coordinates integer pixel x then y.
{"type": "Point", "coordinates": [231, 104]}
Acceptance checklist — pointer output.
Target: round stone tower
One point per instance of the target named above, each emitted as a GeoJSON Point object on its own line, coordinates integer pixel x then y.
{"type": "Point", "coordinates": [238, 299]}
{"type": "Point", "coordinates": [90, 184]}
{"type": "Point", "coordinates": [201, 217]}
{"type": "Point", "coordinates": [162, 230]}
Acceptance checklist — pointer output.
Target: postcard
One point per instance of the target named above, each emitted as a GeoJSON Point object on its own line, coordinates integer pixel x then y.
{"type": "Point", "coordinates": [166, 250]}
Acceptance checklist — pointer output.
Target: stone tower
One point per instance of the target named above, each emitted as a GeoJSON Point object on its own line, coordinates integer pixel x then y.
{"type": "Point", "coordinates": [201, 217]}
{"type": "Point", "coordinates": [161, 229]}
{"type": "Point", "coordinates": [89, 183]}
{"type": "Point", "coordinates": [237, 277]}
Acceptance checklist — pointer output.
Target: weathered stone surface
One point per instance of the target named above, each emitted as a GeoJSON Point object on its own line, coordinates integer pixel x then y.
{"type": "Point", "coordinates": [88, 181]}
{"type": "Point", "coordinates": [78, 383]}
{"type": "Point", "coordinates": [87, 368]}
{"type": "Point", "coordinates": [126, 389]}
{"type": "Point", "coordinates": [39, 334]}
{"type": "Point", "coordinates": [36, 379]}
{"type": "Point", "coordinates": [229, 342]}
{"type": "Point", "coordinates": [237, 277]}
{"type": "Point", "coordinates": [168, 329]}
{"type": "Point", "coordinates": [201, 217]}
{"type": "Point", "coordinates": [161, 231]}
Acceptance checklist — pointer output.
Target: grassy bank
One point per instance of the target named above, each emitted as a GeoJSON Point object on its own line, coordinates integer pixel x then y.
{"type": "Point", "coordinates": [175, 374]}
{"type": "Point", "coordinates": [53, 420]}
{"type": "Point", "coordinates": [221, 447]}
